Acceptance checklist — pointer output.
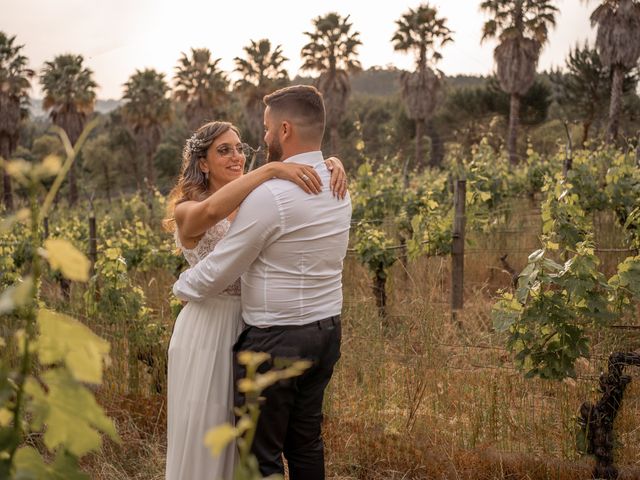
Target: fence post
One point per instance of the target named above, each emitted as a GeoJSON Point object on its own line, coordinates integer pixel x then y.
{"type": "Point", "coordinates": [568, 159]}
{"type": "Point", "coordinates": [457, 248]}
{"type": "Point", "coordinates": [93, 240]}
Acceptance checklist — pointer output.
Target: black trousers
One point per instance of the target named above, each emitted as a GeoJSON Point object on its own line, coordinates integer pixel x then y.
{"type": "Point", "coordinates": [291, 413]}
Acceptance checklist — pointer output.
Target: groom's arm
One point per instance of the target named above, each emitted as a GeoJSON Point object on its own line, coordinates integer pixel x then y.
{"type": "Point", "coordinates": [257, 221]}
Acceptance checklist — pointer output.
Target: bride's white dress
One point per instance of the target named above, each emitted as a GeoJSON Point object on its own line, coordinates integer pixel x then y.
{"type": "Point", "coordinates": [200, 377]}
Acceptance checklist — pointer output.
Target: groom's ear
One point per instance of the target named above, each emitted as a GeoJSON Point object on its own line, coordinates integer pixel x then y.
{"type": "Point", "coordinates": [286, 130]}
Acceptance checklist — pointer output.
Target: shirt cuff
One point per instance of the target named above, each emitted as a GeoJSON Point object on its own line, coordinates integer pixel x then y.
{"type": "Point", "coordinates": [183, 291]}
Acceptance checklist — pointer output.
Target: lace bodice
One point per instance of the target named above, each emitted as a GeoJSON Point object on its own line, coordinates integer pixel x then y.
{"type": "Point", "coordinates": [205, 246]}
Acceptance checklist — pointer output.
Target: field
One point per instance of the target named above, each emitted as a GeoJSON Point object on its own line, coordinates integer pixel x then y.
{"type": "Point", "coordinates": [421, 391]}
{"type": "Point", "coordinates": [420, 398]}
{"type": "Point", "coordinates": [416, 395]}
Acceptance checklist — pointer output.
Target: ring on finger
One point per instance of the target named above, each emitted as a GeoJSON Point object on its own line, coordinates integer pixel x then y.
{"type": "Point", "coordinates": [304, 177]}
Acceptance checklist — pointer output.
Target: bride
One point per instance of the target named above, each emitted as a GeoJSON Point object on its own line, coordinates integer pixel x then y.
{"type": "Point", "coordinates": [201, 208]}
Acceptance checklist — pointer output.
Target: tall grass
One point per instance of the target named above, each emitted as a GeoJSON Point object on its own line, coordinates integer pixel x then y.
{"type": "Point", "coordinates": [417, 396]}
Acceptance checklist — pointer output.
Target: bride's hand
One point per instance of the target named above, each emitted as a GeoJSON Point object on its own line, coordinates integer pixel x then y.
{"type": "Point", "coordinates": [338, 181]}
{"type": "Point", "coordinates": [304, 176]}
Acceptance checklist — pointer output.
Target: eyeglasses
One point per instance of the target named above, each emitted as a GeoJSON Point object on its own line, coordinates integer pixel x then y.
{"type": "Point", "coordinates": [227, 151]}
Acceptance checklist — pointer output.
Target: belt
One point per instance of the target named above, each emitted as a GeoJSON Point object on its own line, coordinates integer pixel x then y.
{"type": "Point", "coordinates": [319, 324]}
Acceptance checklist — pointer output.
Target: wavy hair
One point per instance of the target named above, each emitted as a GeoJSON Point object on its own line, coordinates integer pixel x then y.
{"type": "Point", "coordinates": [192, 183]}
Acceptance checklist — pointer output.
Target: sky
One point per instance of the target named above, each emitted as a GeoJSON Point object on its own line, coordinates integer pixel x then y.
{"type": "Point", "coordinates": [116, 37]}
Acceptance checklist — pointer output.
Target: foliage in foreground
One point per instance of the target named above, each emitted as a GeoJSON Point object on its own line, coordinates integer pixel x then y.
{"type": "Point", "coordinates": [51, 360]}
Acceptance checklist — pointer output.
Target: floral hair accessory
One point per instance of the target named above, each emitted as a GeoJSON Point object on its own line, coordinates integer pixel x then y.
{"type": "Point", "coordinates": [194, 144]}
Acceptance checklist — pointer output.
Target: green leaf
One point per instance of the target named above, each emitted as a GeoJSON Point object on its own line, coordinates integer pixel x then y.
{"type": "Point", "coordinates": [63, 256]}
{"type": "Point", "coordinates": [7, 223]}
{"type": "Point", "coordinates": [49, 167]}
{"type": "Point", "coordinates": [64, 339]}
{"type": "Point", "coordinates": [65, 467]}
{"type": "Point", "coordinates": [72, 417]}
{"type": "Point", "coordinates": [219, 437]}
{"type": "Point", "coordinates": [6, 416]}
{"type": "Point", "coordinates": [537, 255]}
{"type": "Point", "coordinates": [505, 313]}
{"type": "Point", "coordinates": [29, 465]}
{"type": "Point", "coordinates": [19, 169]}
{"type": "Point", "coordinates": [16, 296]}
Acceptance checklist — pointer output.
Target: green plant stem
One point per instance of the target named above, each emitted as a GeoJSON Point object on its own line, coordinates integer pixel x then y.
{"type": "Point", "coordinates": [72, 153]}
{"type": "Point", "coordinates": [30, 317]}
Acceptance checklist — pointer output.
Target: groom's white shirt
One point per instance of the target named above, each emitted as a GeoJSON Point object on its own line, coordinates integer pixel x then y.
{"type": "Point", "coordinates": [287, 246]}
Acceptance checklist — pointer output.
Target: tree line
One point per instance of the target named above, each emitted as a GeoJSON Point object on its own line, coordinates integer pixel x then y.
{"type": "Point", "coordinates": [596, 79]}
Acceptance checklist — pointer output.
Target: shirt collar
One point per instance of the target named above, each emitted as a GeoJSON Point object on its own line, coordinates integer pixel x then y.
{"type": "Point", "coordinates": [306, 158]}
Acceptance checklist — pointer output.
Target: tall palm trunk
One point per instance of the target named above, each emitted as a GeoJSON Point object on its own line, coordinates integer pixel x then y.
{"type": "Point", "coordinates": [72, 125]}
{"type": "Point", "coordinates": [105, 169]}
{"type": "Point", "coordinates": [5, 152]}
{"type": "Point", "coordinates": [151, 171]}
{"type": "Point", "coordinates": [73, 186]}
{"type": "Point", "coordinates": [586, 126]}
{"type": "Point", "coordinates": [512, 140]}
{"type": "Point", "coordinates": [616, 103]}
{"type": "Point", "coordinates": [419, 145]}
{"type": "Point", "coordinates": [333, 140]}
{"type": "Point", "coordinates": [437, 152]}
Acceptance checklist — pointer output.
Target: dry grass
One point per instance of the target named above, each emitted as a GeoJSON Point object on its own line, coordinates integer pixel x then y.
{"type": "Point", "coordinates": [418, 395]}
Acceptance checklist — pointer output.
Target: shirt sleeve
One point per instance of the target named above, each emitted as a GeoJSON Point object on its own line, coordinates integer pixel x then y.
{"type": "Point", "coordinates": [256, 224]}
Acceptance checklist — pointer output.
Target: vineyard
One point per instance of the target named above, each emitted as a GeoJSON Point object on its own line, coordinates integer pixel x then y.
{"type": "Point", "coordinates": [491, 314]}
{"type": "Point", "coordinates": [551, 286]}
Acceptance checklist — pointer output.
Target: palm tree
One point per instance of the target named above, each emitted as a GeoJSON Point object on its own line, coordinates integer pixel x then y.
{"type": "Point", "coordinates": [261, 72]}
{"type": "Point", "coordinates": [585, 88]}
{"type": "Point", "coordinates": [202, 86]}
{"type": "Point", "coordinates": [419, 31]}
{"type": "Point", "coordinates": [146, 111]}
{"type": "Point", "coordinates": [70, 94]}
{"type": "Point", "coordinates": [618, 44]}
{"type": "Point", "coordinates": [521, 26]}
{"type": "Point", "coordinates": [332, 52]}
{"type": "Point", "coordinates": [15, 81]}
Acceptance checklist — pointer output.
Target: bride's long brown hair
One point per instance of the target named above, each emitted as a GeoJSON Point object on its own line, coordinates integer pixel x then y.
{"type": "Point", "coordinates": [192, 183]}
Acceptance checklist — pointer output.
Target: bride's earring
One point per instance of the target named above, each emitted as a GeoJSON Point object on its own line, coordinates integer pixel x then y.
{"type": "Point", "coordinates": [206, 177]}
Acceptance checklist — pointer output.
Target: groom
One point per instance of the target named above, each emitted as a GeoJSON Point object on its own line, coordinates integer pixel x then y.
{"type": "Point", "coordinates": [289, 248]}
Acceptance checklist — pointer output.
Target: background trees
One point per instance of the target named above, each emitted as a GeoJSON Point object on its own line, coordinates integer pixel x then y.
{"type": "Point", "coordinates": [15, 81]}
{"type": "Point", "coordinates": [261, 72]}
{"type": "Point", "coordinates": [420, 31]}
{"type": "Point", "coordinates": [618, 44]}
{"type": "Point", "coordinates": [332, 52]}
{"type": "Point", "coordinates": [382, 113]}
{"type": "Point", "coordinates": [201, 87]}
{"type": "Point", "coordinates": [521, 28]}
{"type": "Point", "coordinates": [147, 110]}
{"type": "Point", "coordinates": [584, 89]}
{"type": "Point", "coordinates": [69, 95]}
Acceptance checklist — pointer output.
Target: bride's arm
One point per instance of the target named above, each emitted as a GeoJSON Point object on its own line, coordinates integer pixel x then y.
{"type": "Point", "coordinates": [193, 218]}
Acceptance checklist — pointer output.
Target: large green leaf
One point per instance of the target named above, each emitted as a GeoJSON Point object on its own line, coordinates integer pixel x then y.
{"type": "Point", "coordinates": [30, 466]}
{"type": "Point", "coordinates": [16, 295]}
{"type": "Point", "coordinates": [63, 256]}
{"type": "Point", "coordinates": [65, 339]}
{"type": "Point", "coordinates": [72, 417]}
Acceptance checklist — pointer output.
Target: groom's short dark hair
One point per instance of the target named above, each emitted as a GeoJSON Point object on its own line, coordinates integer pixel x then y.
{"type": "Point", "coordinates": [302, 105]}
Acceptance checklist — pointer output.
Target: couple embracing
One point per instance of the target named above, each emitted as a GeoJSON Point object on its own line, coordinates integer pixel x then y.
{"type": "Point", "coordinates": [266, 252]}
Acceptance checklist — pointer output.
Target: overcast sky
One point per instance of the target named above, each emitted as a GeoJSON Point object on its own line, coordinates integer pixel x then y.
{"type": "Point", "coordinates": [116, 37]}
